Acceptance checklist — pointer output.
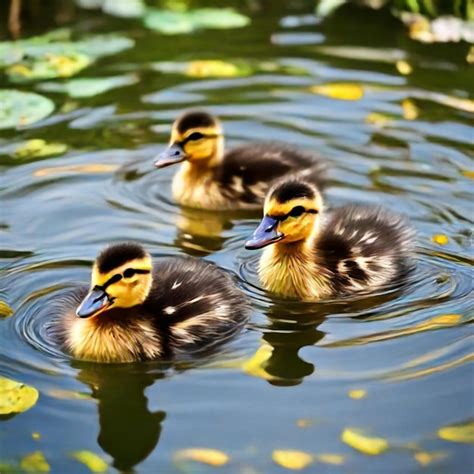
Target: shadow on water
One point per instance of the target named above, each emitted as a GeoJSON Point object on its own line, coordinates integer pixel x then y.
{"type": "Point", "coordinates": [129, 431]}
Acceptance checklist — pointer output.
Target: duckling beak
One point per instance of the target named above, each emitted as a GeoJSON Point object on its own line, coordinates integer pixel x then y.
{"type": "Point", "coordinates": [174, 154]}
{"type": "Point", "coordinates": [95, 301]}
{"type": "Point", "coordinates": [265, 234]}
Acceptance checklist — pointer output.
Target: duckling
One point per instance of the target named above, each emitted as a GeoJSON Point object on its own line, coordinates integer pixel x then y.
{"type": "Point", "coordinates": [210, 178]}
{"type": "Point", "coordinates": [136, 310]}
{"type": "Point", "coordinates": [353, 249]}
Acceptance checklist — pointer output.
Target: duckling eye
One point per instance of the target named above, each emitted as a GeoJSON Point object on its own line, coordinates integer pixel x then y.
{"type": "Point", "coordinates": [129, 272]}
{"type": "Point", "coordinates": [195, 136]}
{"type": "Point", "coordinates": [297, 211]}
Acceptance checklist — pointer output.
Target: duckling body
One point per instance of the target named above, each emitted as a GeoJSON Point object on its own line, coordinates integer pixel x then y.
{"type": "Point", "coordinates": [210, 178]}
{"type": "Point", "coordinates": [353, 249]}
{"type": "Point", "coordinates": [189, 305]}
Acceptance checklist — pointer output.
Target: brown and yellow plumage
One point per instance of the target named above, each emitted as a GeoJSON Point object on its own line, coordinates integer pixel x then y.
{"type": "Point", "coordinates": [310, 256]}
{"type": "Point", "coordinates": [136, 310]}
{"type": "Point", "coordinates": [210, 178]}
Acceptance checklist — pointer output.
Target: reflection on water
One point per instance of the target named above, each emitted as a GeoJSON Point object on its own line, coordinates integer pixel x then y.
{"type": "Point", "coordinates": [403, 140]}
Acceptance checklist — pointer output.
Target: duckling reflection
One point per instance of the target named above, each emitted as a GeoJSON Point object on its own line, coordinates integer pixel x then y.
{"type": "Point", "coordinates": [129, 431]}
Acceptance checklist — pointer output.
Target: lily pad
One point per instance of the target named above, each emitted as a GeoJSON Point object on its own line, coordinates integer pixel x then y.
{"type": "Point", "coordinates": [365, 444]}
{"type": "Point", "coordinates": [19, 108]}
{"type": "Point", "coordinates": [38, 148]}
{"type": "Point", "coordinates": [92, 460]}
{"type": "Point", "coordinates": [177, 22]}
{"type": "Point", "coordinates": [16, 397]}
{"type": "Point", "coordinates": [462, 433]}
{"type": "Point", "coordinates": [292, 459]}
{"type": "Point", "coordinates": [90, 86]}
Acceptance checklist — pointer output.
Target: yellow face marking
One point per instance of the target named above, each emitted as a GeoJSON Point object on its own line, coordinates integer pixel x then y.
{"type": "Point", "coordinates": [274, 208]}
{"type": "Point", "coordinates": [99, 279]}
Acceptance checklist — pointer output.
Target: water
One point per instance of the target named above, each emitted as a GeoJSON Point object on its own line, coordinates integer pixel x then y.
{"type": "Point", "coordinates": [412, 362]}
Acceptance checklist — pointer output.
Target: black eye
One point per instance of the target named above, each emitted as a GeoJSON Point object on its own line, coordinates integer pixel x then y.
{"type": "Point", "coordinates": [195, 136]}
{"type": "Point", "coordinates": [297, 211]}
{"type": "Point", "coordinates": [129, 272]}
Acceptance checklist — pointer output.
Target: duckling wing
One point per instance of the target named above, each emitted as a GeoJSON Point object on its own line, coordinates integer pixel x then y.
{"type": "Point", "coordinates": [365, 247]}
{"type": "Point", "coordinates": [195, 304]}
{"type": "Point", "coordinates": [248, 171]}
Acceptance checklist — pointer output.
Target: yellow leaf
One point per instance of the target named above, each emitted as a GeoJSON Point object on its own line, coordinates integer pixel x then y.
{"type": "Point", "coordinates": [357, 394]}
{"type": "Point", "coordinates": [425, 458]}
{"type": "Point", "coordinates": [292, 459]}
{"type": "Point", "coordinates": [410, 110]}
{"type": "Point", "coordinates": [36, 435]}
{"type": "Point", "coordinates": [380, 120]}
{"type": "Point", "coordinates": [468, 173]}
{"type": "Point", "coordinates": [403, 67]}
{"type": "Point", "coordinates": [364, 444]}
{"type": "Point", "coordinates": [458, 433]}
{"type": "Point", "coordinates": [341, 91]}
{"type": "Point", "coordinates": [16, 397]}
{"type": "Point", "coordinates": [5, 310]}
{"type": "Point", "coordinates": [440, 239]}
{"type": "Point", "coordinates": [211, 68]}
{"type": "Point", "coordinates": [36, 148]}
{"type": "Point", "coordinates": [92, 460]}
{"type": "Point", "coordinates": [35, 462]}
{"type": "Point", "coordinates": [336, 459]}
{"type": "Point", "coordinates": [213, 457]}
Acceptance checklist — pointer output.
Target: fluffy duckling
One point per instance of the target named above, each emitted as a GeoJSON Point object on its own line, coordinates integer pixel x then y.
{"type": "Point", "coordinates": [353, 249]}
{"type": "Point", "coordinates": [210, 178]}
{"type": "Point", "coordinates": [136, 310]}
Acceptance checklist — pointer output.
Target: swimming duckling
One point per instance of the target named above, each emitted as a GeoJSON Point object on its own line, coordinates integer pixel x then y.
{"type": "Point", "coordinates": [353, 249]}
{"type": "Point", "coordinates": [137, 310]}
{"type": "Point", "coordinates": [210, 178]}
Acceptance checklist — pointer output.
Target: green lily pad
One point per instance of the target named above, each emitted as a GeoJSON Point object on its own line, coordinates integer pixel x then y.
{"type": "Point", "coordinates": [104, 45]}
{"type": "Point", "coordinates": [16, 397]}
{"type": "Point", "coordinates": [90, 86]}
{"type": "Point", "coordinates": [19, 108]}
{"type": "Point", "coordinates": [128, 9]}
{"type": "Point", "coordinates": [176, 22]}
{"type": "Point", "coordinates": [37, 148]}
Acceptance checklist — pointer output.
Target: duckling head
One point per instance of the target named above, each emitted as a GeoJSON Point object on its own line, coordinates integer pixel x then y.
{"type": "Point", "coordinates": [291, 214]}
{"type": "Point", "coordinates": [121, 278]}
{"type": "Point", "coordinates": [196, 137]}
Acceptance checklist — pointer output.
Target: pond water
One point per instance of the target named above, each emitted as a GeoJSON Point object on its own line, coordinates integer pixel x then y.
{"type": "Point", "coordinates": [405, 143]}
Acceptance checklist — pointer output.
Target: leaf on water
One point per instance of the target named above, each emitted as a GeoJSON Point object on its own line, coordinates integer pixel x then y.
{"type": "Point", "coordinates": [16, 397]}
{"type": "Point", "coordinates": [340, 91]}
{"type": "Point", "coordinates": [410, 110]}
{"type": "Point", "coordinates": [92, 460]}
{"type": "Point", "coordinates": [128, 9]}
{"type": "Point", "coordinates": [328, 458]}
{"type": "Point", "coordinates": [357, 394]}
{"type": "Point", "coordinates": [176, 22]}
{"type": "Point", "coordinates": [90, 86]}
{"type": "Point", "coordinates": [5, 310]}
{"type": "Point", "coordinates": [426, 458]}
{"type": "Point", "coordinates": [104, 45]}
{"type": "Point", "coordinates": [48, 66]}
{"type": "Point", "coordinates": [35, 435]}
{"type": "Point", "coordinates": [35, 462]}
{"type": "Point", "coordinates": [462, 433]}
{"type": "Point", "coordinates": [378, 120]}
{"type": "Point", "coordinates": [403, 67]}
{"type": "Point", "coordinates": [365, 444]}
{"type": "Point", "coordinates": [37, 148]}
{"type": "Point", "coordinates": [292, 459]}
{"type": "Point", "coordinates": [19, 108]}
{"type": "Point", "coordinates": [468, 173]}
{"type": "Point", "coordinates": [215, 68]}
{"type": "Point", "coordinates": [95, 168]}
{"type": "Point", "coordinates": [212, 457]}
{"type": "Point", "coordinates": [440, 239]}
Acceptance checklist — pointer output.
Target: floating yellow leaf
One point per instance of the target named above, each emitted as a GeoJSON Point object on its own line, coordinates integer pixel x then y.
{"type": "Point", "coordinates": [92, 460]}
{"type": "Point", "coordinates": [36, 435]}
{"type": "Point", "coordinates": [336, 459]}
{"type": "Point", "coordinates": [403, 67]}
{"type": "Point", "coordinates": [357, 394]}
{"type": "Point", "coordinates": [5, 310]}
{"type": "Point", "coordinates": [35, 462]}
{"type": "Point", "coordinates": [341, 91]}
{"type": "Point", "coordinates": [440, 239]}
{"type": "Point", "coordinates": [458, 433]}
{"type": "Point", "coordinates": [364, 444]}
{"type": "Point", "coordinates": [37, 148]}
{"type": "Point", "coordinates": [211, 68]}
{"type": "Point", "coordinates": [410, 110]}
{"type": "Point", "coordinates": [213, 457]}
{"type": "Point", "coordinates": [468, 173]}
{"type": "Point", "coordinates": [93, 168]}
{"type": "Point", "coordinates": [379, 120]}
{"type": "Point", "coordinates": [16, 397]}
{"type": "Point", "coordinates": [425, 458]}
{"type": "Point", "coordinates": [292, 459]}
{"type": "Point", "coordinates": [304, 423]}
